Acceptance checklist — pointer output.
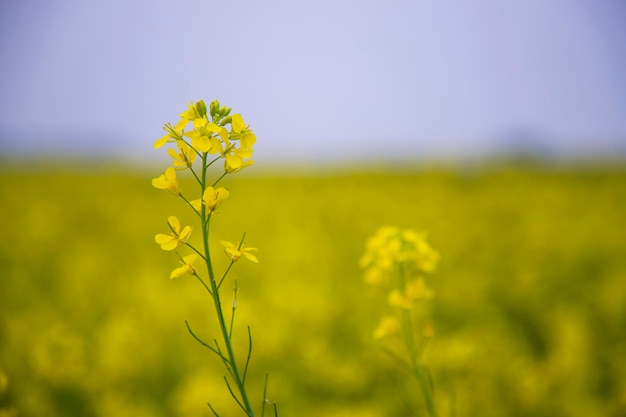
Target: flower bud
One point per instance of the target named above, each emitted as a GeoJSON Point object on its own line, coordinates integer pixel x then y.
{"type": "Point", "coordinates": [201, 108]}
{"type": "Point", "coordinates": [214, 107]}
{"type": "Point", "coordinates": [225, 111]}
{"type": "Point", "coordinates": [226, 120]}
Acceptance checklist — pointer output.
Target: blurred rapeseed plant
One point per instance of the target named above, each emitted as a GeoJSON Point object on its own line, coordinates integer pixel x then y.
{"type": "Point", "coordinates": [396, 261]}
{"type": "Point", "coordinates": [208, 135]}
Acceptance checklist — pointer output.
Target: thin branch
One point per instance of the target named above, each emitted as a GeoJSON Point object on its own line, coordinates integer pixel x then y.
{"type": "Point", "coordinates": [225, 273]}
{"type": "Point", "coordinates": [224, 360]}
{"type": "Point", "coordinates": [264, 395]}
{"type": "Point", "coordinates": [203, 283]}
{"type": "Point", "coordinates": [204, 344]}
{"type": "Point", "coordinates": [220, 178]}
{"type": "Point", "coordinates": [245, 368]}
{"type": "Point", "coordinates": [232, 393]}
{"type": "Point", "coordinates": [212, 409]}
{"type": "Point", "coordinates": [232, 316]}
{"type": "Point", "coordinates": [189, 204]}
{"type": "Point", "coordinates": [196, 251]}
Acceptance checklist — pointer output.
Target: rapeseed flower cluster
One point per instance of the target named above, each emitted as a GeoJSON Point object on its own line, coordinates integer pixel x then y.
{"type": "Point", "coordinates": [199, 134]}
{"type": "Point", "coordinates": [202, 137]}
{"type": "Point", "coordinates": [397, 261]}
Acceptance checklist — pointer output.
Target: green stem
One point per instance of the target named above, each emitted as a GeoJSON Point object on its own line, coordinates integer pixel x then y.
{"type": "Point", "coordinates": [217, 302]}
{"type": "Point", "coordinates": [412, 349]}
{"type": "Point", "coordinates": [418, 367]}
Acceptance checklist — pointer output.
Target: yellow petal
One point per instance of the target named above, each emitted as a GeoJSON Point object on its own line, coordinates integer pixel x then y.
{"type": "Point", "coordinates": [248, 139]}
{"type": "Point", "coordinates": [226, 244]}
{"type": "Point", "coordinates": [243, 152]}
{"type": "Point", "coordinates": [184, 235]}
{"type": "Point", "coordinates": [201, 143]}
{"type": "Point", "coordinates": [171, 152]}
{"type": "Point", "coordinates": [212, 127]}
{"type": "Point", "coordinates": [199, 123]}
{"type": "Point", "coordinates": [158, 183]}
{"type": "Point", "coordinates": [171, 245]}
{"type": "Point", "coordinates": [161, 141]}
{"type": "Point", "coordinates": [178, 272]}
{"type": "Point", "coordinates": [161, 238]}
{"type": "Point", "coordinates": [233, 162]}
{"type": "Point", "coordinates": [250, 256]}
{"type": "Point", "coordinates": [181, 125]}
{"type": "Point", "coordinates": [216, 146]}
{"type": "Point", "coordinates": [174, 223]}
{"type": "Point", "coordinates": [221, 193]}
{"type": "Point", "coordinates": [197, 204]}
{"type": "Point", "coordinates": [170, 174]}
{"type": "Point", "coordinates": [238, 123]}
{"type": "Point", "coordinates": [223, 133]}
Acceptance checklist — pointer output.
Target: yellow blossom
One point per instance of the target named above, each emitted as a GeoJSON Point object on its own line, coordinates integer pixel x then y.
{"type": "Point", "coordinates": [194, 111]}
{"type": "Point", "coordinates": [204, 140]}
{"type": "Point", "coordinates": [185, 157]}
{"type": "Point", "coordinates": [167, 181]}
{"type": "Point", "coordinates": [391, 247]}
{"type": "Point", "coordinates": [234, 157]}
{"type": "Point", "coordinates": [186, 267]}
{"type": "Point", "coordinates": [417, 250]}
{"type": "Point", "coordinates": [175, 237]}
{"type": "Point", "coordinates": [234, 252]}
{"type": "Point", "coordinates": [212, 199]}
{"type": "Point", "coordinates": [174, 133]}
{"type": "Point", "coordinates": [389, 326]}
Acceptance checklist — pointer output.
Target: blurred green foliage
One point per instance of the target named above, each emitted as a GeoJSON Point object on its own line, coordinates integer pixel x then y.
{"type": "Point", "coordinates": [529, 308]}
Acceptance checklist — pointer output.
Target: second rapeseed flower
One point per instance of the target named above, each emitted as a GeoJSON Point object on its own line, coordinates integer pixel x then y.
{"type": "Point", "coordinates": [234, 252]}
{"type": "Point", "coordinates": [186, 267]}
{"type": "Point", "coordinates": [175, 237]}
{"type": "Point", "coordinates": [167, 181]}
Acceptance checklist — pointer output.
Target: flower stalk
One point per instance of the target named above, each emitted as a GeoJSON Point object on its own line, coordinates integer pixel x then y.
{"type": "Point", "coordinates": [395, 261]}
{"type": "Point", "coordinates": [214, 135]}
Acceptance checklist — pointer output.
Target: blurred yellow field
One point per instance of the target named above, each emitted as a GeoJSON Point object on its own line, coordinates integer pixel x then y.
{"type": "Point", "coordinates": [529, 306]}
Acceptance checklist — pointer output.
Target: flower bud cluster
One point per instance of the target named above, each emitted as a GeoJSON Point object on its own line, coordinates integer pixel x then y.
{"type": "Point", "coordinates": [215, 132]}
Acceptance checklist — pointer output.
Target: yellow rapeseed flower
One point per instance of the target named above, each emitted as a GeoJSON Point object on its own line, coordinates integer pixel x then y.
{"type": "Point", "coordinates": [186, 267]}
{"type": "Point", "coordinates": [234, 252]}
{"type": "Point", "coordinates": [234, 158]}
{"type": "Point", "coordinates": [167, 181]}
{"type": "Point", "coordinates": [174, 133]}
{"type": "Point", "coordinates": [391, 247]}
{"type": "Point", "coordinates": [212, 199]}
{"type": "Point", "coordinates": [185, 157]}
{"type": "Point", "coordinates": [175, 237]}
{"type": "Point", "coordinates": [194, 111]}
{"type": "Point", "coordinates": [203, 137]}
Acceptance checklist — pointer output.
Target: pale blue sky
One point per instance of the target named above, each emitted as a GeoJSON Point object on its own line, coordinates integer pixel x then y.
{"type": "Point", "coordinates": [317, 80]}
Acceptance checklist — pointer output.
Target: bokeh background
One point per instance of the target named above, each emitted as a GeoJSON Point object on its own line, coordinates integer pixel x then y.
{"type": "Point", "coordinates": [497, 128]}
